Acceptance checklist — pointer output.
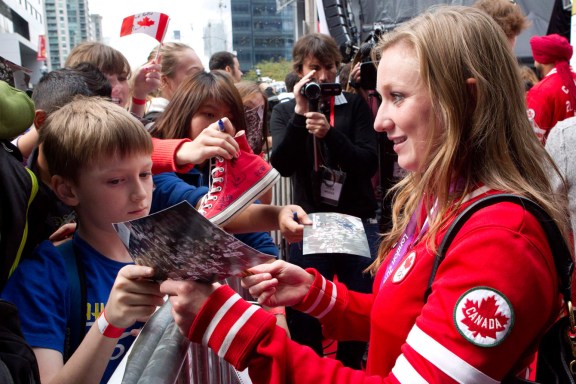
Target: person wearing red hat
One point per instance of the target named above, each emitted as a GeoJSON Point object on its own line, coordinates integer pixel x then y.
{"type": "Point", "coordinates": [553, 99]}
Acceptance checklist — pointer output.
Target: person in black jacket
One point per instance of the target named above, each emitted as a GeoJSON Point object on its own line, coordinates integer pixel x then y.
{"type": "Point", "coordinates": [17, 186]}
{"type": "Point", "coordinates": [346, 159]}
{"type": "Point", "coordinates": [17, 361]}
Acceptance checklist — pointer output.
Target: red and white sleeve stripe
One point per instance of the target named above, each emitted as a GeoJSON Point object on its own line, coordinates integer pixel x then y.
{"type": "Point", "coordinates": [421, 345]}
{"type": "Point", "coordinates": [229, 325]}
{"type": "Point", "coordinates": [321, 298]}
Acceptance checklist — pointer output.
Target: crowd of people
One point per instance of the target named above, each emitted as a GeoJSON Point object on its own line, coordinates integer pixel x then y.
{"type": "Point", "coordinates": [449, 120]}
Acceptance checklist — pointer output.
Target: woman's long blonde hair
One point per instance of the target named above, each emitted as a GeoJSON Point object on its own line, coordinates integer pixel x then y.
{"type": "Point", "coordinates": [481, 134]}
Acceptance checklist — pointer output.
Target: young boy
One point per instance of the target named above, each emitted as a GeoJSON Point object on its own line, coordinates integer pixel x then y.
{"type": "Point", "coordinates": [99, 159]}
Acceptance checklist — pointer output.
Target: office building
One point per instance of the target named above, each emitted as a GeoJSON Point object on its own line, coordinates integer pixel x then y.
{"type": "Point", "coordinates": [21, 22]}
{"type": "Point", "coordinates": [260, 33]}
{"type": "Point", "coordinates": [96, 27]}
{"type": "Point", "coordinates": [67, 24]}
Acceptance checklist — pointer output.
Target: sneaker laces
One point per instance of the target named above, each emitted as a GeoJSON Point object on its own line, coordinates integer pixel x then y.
{"type": "Point", "coordinates": [214, 181]}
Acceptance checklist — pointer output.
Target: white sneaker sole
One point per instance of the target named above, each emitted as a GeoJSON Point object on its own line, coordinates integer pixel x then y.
{"type": "Point", "coordinates": [242, 202]}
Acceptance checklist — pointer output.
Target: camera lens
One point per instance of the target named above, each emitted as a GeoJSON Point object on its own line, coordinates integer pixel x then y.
{"type": "Point", "coordinates": [311, 91]}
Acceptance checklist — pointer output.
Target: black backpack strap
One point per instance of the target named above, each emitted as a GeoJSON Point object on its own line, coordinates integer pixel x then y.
{"type": "Point", "coordinates": [76, 326]}
{"type": "Point", "coordinates": [560, 251]}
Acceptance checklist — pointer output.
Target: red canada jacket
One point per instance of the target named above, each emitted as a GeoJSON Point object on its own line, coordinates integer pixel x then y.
{"type": "Point", "coordinates": [494, 296]}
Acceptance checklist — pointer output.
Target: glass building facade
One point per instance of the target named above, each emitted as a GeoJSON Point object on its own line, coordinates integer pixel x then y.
{"type": "Point", "coordinates": [67, 24]}
{"type": "Point", "coordinates": [261, 33]}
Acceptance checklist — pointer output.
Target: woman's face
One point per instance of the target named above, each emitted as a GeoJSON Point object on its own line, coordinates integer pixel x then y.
{"type": "Point", "coordinates": [188, 64]}
{"type": "Point", "coordinates": [254, 113]}
{"type": "Point", "coordinates": [254, 101]}
{"type": "Point", "coordinates": [207, 114]}
{"type": "Point", "coordinates": [405, 114]}
{"type": "Point", "coordinates": [120, 89]}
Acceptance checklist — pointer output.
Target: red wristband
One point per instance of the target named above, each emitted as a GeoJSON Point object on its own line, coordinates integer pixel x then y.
{"type": "Point", "coordinates": [277, 311]}
{"type": "Point", "coordinates": [108, 329]}
{"type": "Point", "coordinates": [138, 101]}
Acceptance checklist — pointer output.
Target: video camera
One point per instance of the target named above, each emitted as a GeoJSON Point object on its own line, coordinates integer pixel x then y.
{"type": "Point", "coordinates": [313, 91]}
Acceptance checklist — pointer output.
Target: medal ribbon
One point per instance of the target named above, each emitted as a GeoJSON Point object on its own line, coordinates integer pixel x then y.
{"type": "Point", "coordinates": [408, 238]}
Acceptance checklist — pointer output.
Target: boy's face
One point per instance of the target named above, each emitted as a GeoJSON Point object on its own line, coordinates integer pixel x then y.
{"type": "Point", "coordinates": [114, 190]}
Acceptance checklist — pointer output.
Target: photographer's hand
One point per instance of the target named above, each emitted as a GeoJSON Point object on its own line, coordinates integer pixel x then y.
{"type": "Point", "coordinates": [317, 124]}
{"type": "Point", "coordinates": [301, 100]}
{"type": "Point", "coordinates": [354, 79]}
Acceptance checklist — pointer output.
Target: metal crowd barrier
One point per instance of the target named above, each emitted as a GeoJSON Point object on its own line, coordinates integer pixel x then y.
{"type": "Point", "coordinates": [162, 355]}
{"type": "Point", "coordinates": [281, 195]}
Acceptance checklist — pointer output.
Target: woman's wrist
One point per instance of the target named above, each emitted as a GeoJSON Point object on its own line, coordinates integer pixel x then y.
{"type": "Point", "coordinates": [138, 101]}
{"type": "Point", "coordinates": [277, 311]}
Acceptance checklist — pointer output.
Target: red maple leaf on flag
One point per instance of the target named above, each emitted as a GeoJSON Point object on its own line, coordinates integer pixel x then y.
{"type": "Point", "coordinates": [483, 318]}
{"type": "Point", "coordinates": [146, 22]}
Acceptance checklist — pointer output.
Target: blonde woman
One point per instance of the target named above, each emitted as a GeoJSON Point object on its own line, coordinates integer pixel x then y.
{"type": "Point", "coordinates": [177, 61]}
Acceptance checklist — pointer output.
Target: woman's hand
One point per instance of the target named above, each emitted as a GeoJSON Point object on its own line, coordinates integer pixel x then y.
{"type": "Point", "coordinates": [134, 296]}
{"type": "Point", "coordinates": [278, 284]}
{"type": "Point", "coordinates": [187, 298]}
{"type": "Point", "coordinates": [211, 142]}
{"type": "Point", "coordinates": [146, 80]}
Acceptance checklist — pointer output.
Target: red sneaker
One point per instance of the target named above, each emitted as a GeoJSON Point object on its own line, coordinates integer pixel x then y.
{"type": "Point", "coordinates": [236, 183]}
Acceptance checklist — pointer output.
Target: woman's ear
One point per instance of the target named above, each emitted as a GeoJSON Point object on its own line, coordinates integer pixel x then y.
{"type": "Point", "coordinates": [64, 190]}
{"type": "Point", "coordinates": [163, 81]}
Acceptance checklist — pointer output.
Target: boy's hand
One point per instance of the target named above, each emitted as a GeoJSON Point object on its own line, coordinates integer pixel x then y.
{"type": "Point", "coordinates": [134, 296]}
{"type": "Point", "coordinates": [291, 221]}
{"type": "Point", "coordinates": [187, 298]}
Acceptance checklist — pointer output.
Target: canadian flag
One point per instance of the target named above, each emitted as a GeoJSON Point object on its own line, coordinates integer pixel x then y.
{"type": "Point", "coordinates": [152, 24]}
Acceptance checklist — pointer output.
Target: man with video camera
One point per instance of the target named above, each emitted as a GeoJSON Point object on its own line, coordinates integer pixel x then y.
{"type": "Point", "coordinates": [324, 140]}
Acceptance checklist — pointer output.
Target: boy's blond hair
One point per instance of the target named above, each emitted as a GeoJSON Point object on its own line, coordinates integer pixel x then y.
{"type": "Point", "coordinates": [86, 130]}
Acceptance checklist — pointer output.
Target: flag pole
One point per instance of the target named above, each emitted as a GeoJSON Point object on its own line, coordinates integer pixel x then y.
{"type": "Point", "coordinates": [158, 52]}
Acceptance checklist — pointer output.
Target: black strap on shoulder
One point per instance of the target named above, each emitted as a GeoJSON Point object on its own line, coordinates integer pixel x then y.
{"type": "Point", "coordinates": [560, 251]}
{"type": "Point", "coordinates": [76, 326]}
